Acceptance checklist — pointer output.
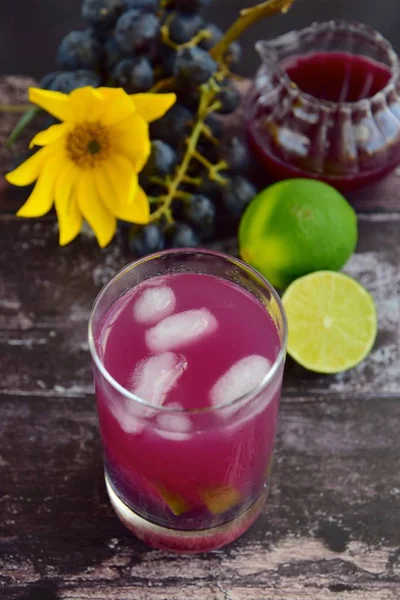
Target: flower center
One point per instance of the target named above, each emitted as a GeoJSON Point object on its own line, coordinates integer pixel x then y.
{"type": "Point", "coordinates": [88, 144]}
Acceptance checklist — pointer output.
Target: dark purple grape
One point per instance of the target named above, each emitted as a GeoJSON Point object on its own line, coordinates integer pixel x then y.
{"type": "Point", "coordinates": [191, 5]}
{"type": "Point", "coordinates": [215, 35]}
{"type": "Point", "coordinates": [145, 240]}
{"type": "Point", "coordinates": [236, 153]}
{"type": "Point", "coordinates": [67, 81]}
{"type": "Point", "coordinates": [189, 98]}
{"type": "Point", "coordinates": [144, 5]}
{"type": "Point", "coordinates": [101, 12]}
{"type": "Point", "coordinates": [167, 58]}
{"type": "Point", "coordinates": [181, 235]}
{"type": "Point", "coordinates": [47, 80]}
{"type": "Point", "coordinates": [174, 126]}
{"type": "Point", "coordinates": [215, 126]}
{"type": "Point", "coordinates": [135, 75]}
{"type": "Point", "coordinates": [136, 30]}
{"type": "Point", "coordinates": [79, 50]}
{"type": "Point", "coordinates": [233, 54]}
{"type": "Point", "coordinates": [183, 28]}
{"type": "Point", "coordinates": [101, 32]}
{"type": "Point", "coordinates": [193, 67]}
{"type": "Point", "coordinates": [238, 194]}
{"type": "Point", "coordinates": [229, 98]}
{"type": "Point", "coordinates": [211, 189]}
{"type": "Point", "coordinates": [200, 213]}
{"type": "Point", "coordinates": [112, 53]}
{"type": "Point", "coordinates": [162, 161]}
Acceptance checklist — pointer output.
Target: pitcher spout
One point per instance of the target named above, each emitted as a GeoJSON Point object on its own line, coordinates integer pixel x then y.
{"type": "Point", "coordinates": [274, 51]}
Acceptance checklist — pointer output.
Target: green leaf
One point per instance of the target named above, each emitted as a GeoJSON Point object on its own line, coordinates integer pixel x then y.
{"type": "Point", "coordinates": [24, 121]}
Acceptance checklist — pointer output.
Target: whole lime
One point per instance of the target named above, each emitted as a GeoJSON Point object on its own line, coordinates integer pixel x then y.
{"type": "Point", "coordinates": [296, 227]}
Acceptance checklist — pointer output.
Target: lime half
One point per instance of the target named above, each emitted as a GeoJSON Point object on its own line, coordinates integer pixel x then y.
{"type": "Point", "coordinates": [332, 322]}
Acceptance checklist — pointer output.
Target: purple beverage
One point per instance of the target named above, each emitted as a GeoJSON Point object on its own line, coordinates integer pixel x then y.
{"type": "Point", "coordinates": [188, 447]}
{"type": "Point", "coordinates": [326, 105]}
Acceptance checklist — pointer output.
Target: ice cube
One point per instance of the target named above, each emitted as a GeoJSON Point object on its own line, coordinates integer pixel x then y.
{"type": "Point", "coordinates": [174, 426]}
{"type": "Point", "coordinates": [154, 304]}
{"type": "Point", "coordinates": [128, 421]}
{"type": "Point", "coordinates": [155, 377]}
{"type": "Point", "coordinates": [152, 380]}
{"type": "Point", "coordinates": [240, 379]}
{"type": "Point", "coordinates": [180, 330]}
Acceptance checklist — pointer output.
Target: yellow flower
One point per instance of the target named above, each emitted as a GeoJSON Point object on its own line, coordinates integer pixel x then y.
{"type": "Point", "coordinates": [89, 164]}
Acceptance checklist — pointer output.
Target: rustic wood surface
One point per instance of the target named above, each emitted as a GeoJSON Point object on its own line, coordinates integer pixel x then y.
{"type": "Point", "coordinates": [332, 525]}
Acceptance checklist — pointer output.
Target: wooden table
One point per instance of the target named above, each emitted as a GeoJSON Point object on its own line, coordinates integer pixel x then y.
{"type": "Point", "coordinates": [332, 525]}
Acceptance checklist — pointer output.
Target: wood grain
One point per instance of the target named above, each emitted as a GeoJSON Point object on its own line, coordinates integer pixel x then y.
{"type": "Point", "coordinates": [332, 524]}
{"type": "Point", "coordinates": [331, 520]}
{"type": "Point", "coordinates": [45, 308]}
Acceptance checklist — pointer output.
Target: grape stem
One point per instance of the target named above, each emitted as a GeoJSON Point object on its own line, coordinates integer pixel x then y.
{"type": "Point", "coordinates": [208, 92]}
{"type": "Point", "coordinates": [174, 186]}
{"type": "Point", "coordinates": [209, 135]}
{"type": "Point", "coordinates": [212, 169]}
{"type": "Point", "coordinates": [247, 17]}
{"type": "Point", "coordinates": [203, 34]}
{"type": "Point", "coordinates": [162, 85]}
{"type": "Point", "coordinates": [192, 180]}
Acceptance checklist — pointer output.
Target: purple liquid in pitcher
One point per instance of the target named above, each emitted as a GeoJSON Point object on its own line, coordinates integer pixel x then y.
{"type": "Point", "coordinates": [188, 342]}
{"type": "Point", "coordinates": [337, 77]}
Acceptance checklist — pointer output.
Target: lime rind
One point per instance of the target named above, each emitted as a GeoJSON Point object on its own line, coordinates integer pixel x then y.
{"type": "Point", "coordinates": [299, 296]}
{"type": "Point", "coordinates": [295, 227]}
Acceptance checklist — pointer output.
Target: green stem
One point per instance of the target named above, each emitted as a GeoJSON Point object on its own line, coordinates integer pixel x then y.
{"type": "Point", "coordinates": [209, 135]}
{"type": "Point", "coordinates": [213, 170]}
{"type": "Point", "coordinates": [14, 108]}
{"type": "Point", "coordinates": [247, 17]}
{"type": "Point", "coordinates": [192, 180]}
{"type": "Point", "coordinates": [24, 121]}
{"type": "Point", "coordinates": [183, 195]}
{"type": "Point", "coordinates": [214, 107]}
{"type": "Point", "coordinates": [181, 172]}
{"type": "Point", "coordinates": [207, 94]}
{"type": "Point", "coordinates": [162, 85]}
{"type": "Point", "coordinates": [159, 181]}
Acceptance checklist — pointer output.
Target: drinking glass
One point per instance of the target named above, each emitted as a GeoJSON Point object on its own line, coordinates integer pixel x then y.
{"type": "Point", "coordinates": [188, 493]}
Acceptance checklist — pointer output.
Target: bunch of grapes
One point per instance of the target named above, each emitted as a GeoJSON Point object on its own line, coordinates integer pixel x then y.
{"type": "Point", "coordinates": [192, 175]}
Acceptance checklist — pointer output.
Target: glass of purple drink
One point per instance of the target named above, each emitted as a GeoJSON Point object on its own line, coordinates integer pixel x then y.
{"type": "Point", "coordinates": [188, 349]}
{"type": "Point", "coordinates": [326, 105]}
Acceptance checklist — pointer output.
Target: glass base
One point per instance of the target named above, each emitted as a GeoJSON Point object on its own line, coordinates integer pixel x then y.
{"type": "Point", "coordinates": [184, 542]}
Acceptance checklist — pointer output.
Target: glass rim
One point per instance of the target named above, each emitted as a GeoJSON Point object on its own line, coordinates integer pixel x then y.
{"type": "Point", "coordinates": [244, 398]}
{"type": "Point", "coordinates": [337, 25]}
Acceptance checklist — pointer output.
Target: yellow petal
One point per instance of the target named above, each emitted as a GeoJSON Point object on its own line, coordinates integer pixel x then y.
{"type": "Point", "coordinates": [108, 92]}
{"type": "Point", "coordinates": [142, 205]}
{"type": "Point", "coordinates": [48, 136]}
{"type": "Point", "coordinates": [123, 178]}
{"type": "Point", "coordinates": [29, 170]}
{"type": "Point", "coordinates": [153, 106]}
{"type": "Point", "coordinates": [136, 211]}
{"type": "Point", "coordinates": [55, 103]}
{"type": "Point", "coordinates": [68, 213]}
{"type": "Point", "coordinates": [41, 199]}
{"type": "Point", "coordinates": [131, 139]}
{"type": "Point", "coordinates": [87, 104]}
{"type": "Point", "coordinates": [100, 219]}
{"type": "Point", "coordinates": [119, 106]}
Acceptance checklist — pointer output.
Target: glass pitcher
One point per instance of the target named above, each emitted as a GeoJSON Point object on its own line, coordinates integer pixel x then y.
{"type": "Point", "coordinates": [326, 104]}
